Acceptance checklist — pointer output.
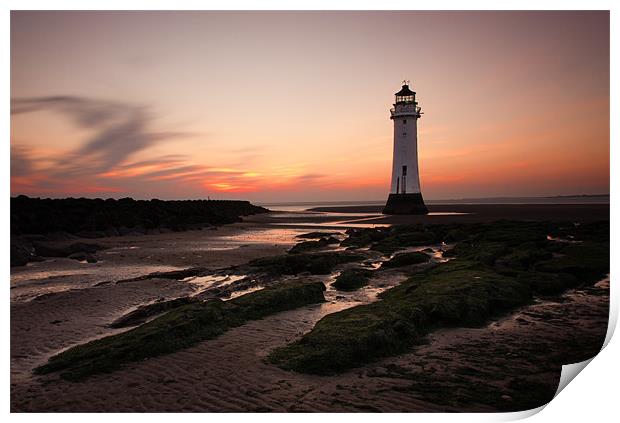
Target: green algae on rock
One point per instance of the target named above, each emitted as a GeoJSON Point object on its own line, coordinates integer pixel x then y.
{"type": "Point", "coordinates": [304, 246]}
{"type": "Point", "coordinates": [180, 328]}
{"type": "Point", "coordinates": [406, 259]}
{"type": "Point", "coordinates": [352, 279]}
{"type": "Point", "coordinates": [145, 312]}
{"type": "Point", "coordinates": [458, 293]}
{"type": "Point", "coordinates": [316, 235]}
{"type": "Point", "coordinates": [497, 267]}
{"type": "Point", "coordinates": [315, 263]}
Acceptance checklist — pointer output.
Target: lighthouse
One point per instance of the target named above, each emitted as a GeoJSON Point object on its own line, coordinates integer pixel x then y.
{"type": "Point", "coordinates": [405, 195]}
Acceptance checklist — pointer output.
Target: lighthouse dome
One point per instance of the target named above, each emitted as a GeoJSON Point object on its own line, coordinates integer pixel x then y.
{"type": "Point", "coordinates": [405, 95]}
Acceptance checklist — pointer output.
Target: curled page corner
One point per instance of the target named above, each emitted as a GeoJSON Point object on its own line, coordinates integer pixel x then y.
{"type": "Point", "coordinates": [569, 372]}
{"type": "Point", "coordinates": [519, 415]}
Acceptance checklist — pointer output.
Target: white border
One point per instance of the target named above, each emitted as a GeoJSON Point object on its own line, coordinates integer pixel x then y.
{"type": "Point", "coordinates": [591, 397]}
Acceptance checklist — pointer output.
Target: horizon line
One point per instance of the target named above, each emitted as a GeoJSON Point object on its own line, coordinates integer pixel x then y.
{"type": "Point", "coordinates": [276, 203]}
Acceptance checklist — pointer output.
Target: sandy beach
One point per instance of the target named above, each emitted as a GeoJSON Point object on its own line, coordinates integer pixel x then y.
{"type": "Point", "coordinates": [60, 303]}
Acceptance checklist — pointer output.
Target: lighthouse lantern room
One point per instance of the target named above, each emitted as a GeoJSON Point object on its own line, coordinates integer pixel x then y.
{"type": "Point", "coordinates": [405, 194]}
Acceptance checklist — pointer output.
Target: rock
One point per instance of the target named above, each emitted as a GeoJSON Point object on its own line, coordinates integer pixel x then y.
{"type": "Point", "coordinates": [406, 259]}
{"type": "Point", "coordinates": [82, 256]}
{"type": "Point", "coordinates": [60, 236]}
{"type": "Point", "coordinates": [317, 235]}
{"type": "Point", "coordinates": [86, 247]}
{"type": "Point", "coordinates": [351, 279]}
{"type": "Point", "coordinates": [139, 229]}
{"type": "Point", "coordinates": [20, 256]}
{"type": "Point", "coordinates": [122, 231]}
{"type": "Point", "coordinates": [312, 245]}
{"type": "Point", "coordinates": [48, 250]}
{"type": "Point", "coordinates": [35, 237]}
{"type": "Point", "coordinates": [111, 231]}
{"type": "Point", "coordinates": [51, 250]}
{"type": "Point", "coordinates": [174, 274]}
{"type": "Point", "coordinates": [91, 234]}
{"type": "Point", "coordinates": [94, 218]}
{"type": "Point", "coordinates": [180, 328]}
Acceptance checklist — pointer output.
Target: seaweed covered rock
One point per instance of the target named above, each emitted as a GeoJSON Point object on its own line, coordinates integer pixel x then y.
{"type": "Point", "coordinates": [459, 293]}
{"type": "Point", "coordinates": [317, 235]}
{"type": "Point", "coordinates": [22, 252]}
{"type": "Point", "coordinates": [82, 256]}
{"type": "Point", "coordinates": [548, 283]}
{"type": "Point", "coordinates": [587, 261]}
{"type": "Point", "coordinates": [345, 339]}
{"type": "Point", "coordinates": [401, 239]}
{"type": "Point", "coordinates": [145, 312]}
{"type": "Point", "coordinates": [497, 267]}
{"type": "Point", "coordinates": [522, 257]}
{"type": "Point", "coordinates": [406, 259]}
{"type": "Point", "coordinates": [364, 237]}
{"type": "Point", "coordinates": [483, 251]}
{"type": "Point", "coordinates": [590, 231]}
{"type": "Point", "coordinates": [389, 240]}
{"type": "Point", "coordinates": [352, 279]}
{"type": "Point", "coordinates": [314, 263]}
{"type": "Point", "coordinates": [511, 233]}
{"type": "Point", "coordinates": [47, 249]}
{"type": "Point", "coordinates": [172, 274]}
{"type": "Point", "coordinates": [304, 246]}
{"type": "Point", "coordinates": [288, 296]}
{"type": "Point", "coordinates": [180, 328]}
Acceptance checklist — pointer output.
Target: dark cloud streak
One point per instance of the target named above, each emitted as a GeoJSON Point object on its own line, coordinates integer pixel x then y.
{"type": "Point", "coordinates": [121, 130]}
{"type": "Point", "coordinates": [21, 163]}
{"type": "Point", "coordinates": [107, 160]}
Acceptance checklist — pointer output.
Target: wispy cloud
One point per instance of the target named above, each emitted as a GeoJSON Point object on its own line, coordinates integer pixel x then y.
{"type": "Point", "coordinates": [109, 161]}
{"type": "Point", "coordinates": [21, 163]}
{"type": "Point", "coordinates": [120, 130]}
{"type": "Point", "coordinates": [113, 159]}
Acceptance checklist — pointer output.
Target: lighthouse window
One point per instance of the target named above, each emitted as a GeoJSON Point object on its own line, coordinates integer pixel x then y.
{"type": "Point", "coordinates": [404, 134]}
{"type": "Point", "coordinates": [404, 121]}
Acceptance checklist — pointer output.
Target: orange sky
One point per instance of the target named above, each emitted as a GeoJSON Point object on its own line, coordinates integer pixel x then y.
{"type": "Point", "coordinates": [281, 106]}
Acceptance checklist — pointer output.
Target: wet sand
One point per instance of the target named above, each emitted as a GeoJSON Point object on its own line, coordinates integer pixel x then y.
{"type": "Point", "coordinates": [469, 213]}
{"type": "Point", "coordinates": [459, 369]}
{"type": "Point", "coordinates": [131, 256]}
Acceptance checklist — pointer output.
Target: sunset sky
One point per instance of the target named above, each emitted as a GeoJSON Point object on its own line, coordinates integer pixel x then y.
{"type": "Point", "coordinates": [294, 106]}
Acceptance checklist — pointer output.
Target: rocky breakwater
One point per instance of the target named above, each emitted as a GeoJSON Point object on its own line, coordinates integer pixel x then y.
{"type": "Point", "coordinates": [38, 225]}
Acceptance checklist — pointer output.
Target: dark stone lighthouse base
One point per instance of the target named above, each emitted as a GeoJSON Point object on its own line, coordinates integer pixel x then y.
{"type": "Point", "coordinates": [405, 204]}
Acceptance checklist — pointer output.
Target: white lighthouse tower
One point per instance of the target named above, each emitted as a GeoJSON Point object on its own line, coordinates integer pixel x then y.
{"type": "Point", "coordinates": [405, 195]}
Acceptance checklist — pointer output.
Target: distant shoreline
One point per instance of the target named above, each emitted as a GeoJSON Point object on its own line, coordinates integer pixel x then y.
{"type": "Point", "coordinates": [559, 199]}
